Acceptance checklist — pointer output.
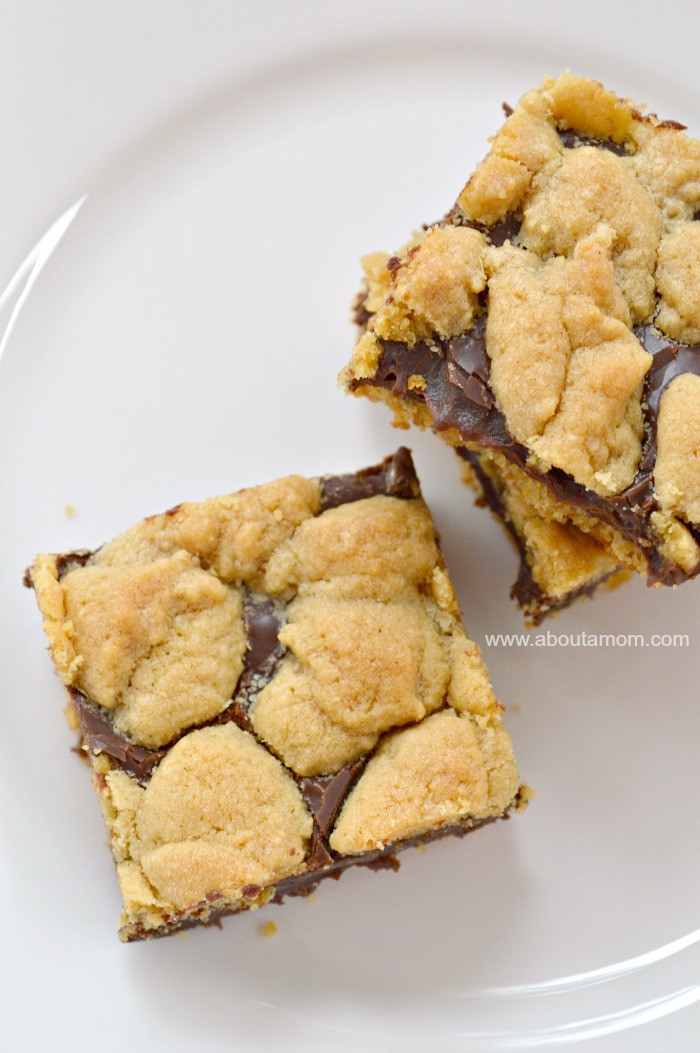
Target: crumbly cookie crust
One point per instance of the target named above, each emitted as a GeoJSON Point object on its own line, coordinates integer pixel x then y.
{"type": "Point", "coordinates": [270, 686]}
{"type": "Point", "coordinates": [561, 294]}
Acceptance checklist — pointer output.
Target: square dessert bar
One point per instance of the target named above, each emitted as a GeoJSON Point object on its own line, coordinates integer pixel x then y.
{"type": "Point", "coordinates": [549, 330]}
{"type": "Point", "coordinates": [270, 687]}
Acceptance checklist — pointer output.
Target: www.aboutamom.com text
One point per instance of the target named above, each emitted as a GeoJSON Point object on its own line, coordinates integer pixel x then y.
{"type": "Point", "coordinates": [586, 639]}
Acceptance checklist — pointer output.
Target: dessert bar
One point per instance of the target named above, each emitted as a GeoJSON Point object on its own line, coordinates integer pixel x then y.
{"type": "Point", "coordinates": [270, 687]}
{"type": "Point", "coordinates": [548, 328]}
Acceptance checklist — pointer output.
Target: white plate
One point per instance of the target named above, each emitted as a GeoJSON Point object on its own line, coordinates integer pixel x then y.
{"type": "Point", "coordinates": [177, 334]}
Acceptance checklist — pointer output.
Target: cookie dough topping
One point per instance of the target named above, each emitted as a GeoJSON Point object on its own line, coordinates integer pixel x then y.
{"type": "Point", "coordinates": [535, 323]}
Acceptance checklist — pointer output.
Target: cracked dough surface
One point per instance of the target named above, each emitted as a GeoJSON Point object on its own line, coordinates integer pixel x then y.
{"type": "Point", "coordinates": [604, 207]}
{"type": "Point", "coordinates": [219, 813]}
{"type": "Point", "coordinates": [565, 368]}
{"type": "Point", "coordinates": [677, 471]}
{"type": "Point", "coordinates": [424, 777]}
{"type": "Point", "coordinates": [160, 645]}
{"type": "Point", "coordinates": [150, 629]}
{"type": "Point", "coordinates": [562, 296]}
{"type": "Point", "coordinates": [359, 667]}
{"type": "Point", "coordinates": [370, 634]}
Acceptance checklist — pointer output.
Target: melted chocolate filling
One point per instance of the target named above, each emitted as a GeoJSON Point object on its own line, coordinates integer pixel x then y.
{"type": "Point", "coordinates": [324, 796]}
{"type": "Point", "coordinates": [459, 397]}
{"type": "Point", "coordinates": [99, 736]}
{"type": "Point", "coordinates": [530, 597]}
{"type": "Point", "coordinates": [507, 229]}
{"type": "Point", "coordinates": [263, 618]}
{"type": "Point", "coordinates": [573, 139]}
{"type": "Point", "coordinates": [395, 477]}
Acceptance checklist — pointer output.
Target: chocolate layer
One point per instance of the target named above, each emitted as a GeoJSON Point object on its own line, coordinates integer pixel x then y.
{"type": "Point", "coordinates": [573, 139]}
{"type": "Point", "coordinates": [394, 477]}
{"type": "Point", "coordinates": [507, 229]}
{"type": "Point", "coordinates": [532, 600]}
{"type": "Point", "coordinates": [324, 796]}
{"type": "Point", "coordinates": [459, 397]}
{"type": "Point", "coordinates": [100, 737]}
{"type": "Point", "coordinates": [263, 619]}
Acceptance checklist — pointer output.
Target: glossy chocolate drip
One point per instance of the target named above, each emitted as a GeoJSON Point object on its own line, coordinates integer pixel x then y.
{"type": "Point", "coordinates": [324, 796]}
{"type": "Point", "coordinates": [263, 618]}
{"type": "Point", "coordinates": [670, 360]}
{"type": "Point", "coordinates": [455, 391]}
{"type": "Point", "coordinates": [394, 477]}
{"type": "Point", "coordinates": [458, 394]}
{"type": "Point", "coordinates": [100, 737]}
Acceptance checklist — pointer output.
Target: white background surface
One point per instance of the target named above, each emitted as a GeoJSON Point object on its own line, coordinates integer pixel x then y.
{"type": "Point", "coordinates": [183, 340]}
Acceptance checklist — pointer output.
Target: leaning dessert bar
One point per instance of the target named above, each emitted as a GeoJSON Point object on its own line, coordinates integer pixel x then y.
{"type": "Point", "coordinates": [549, 330]}
{"type": "Point", "coordinates": [270, 687]}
